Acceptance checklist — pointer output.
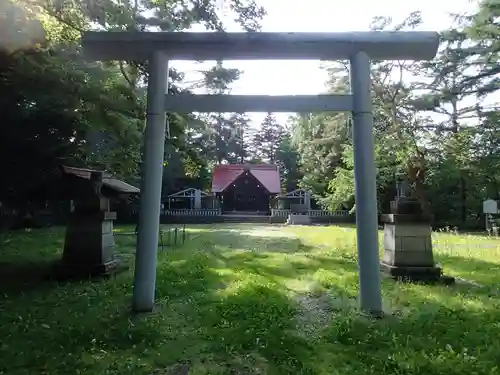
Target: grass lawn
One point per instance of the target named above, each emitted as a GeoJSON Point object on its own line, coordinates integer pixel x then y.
{"type": "Point", "coordinates": [246, 299]}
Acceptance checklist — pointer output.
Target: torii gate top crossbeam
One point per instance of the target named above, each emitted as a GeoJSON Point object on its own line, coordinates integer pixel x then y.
{"type": "Point", "coordinates": [379, 45]}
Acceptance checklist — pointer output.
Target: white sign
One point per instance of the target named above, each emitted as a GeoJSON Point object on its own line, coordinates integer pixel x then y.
{"type": "Point", "coordinates": [490, 206]}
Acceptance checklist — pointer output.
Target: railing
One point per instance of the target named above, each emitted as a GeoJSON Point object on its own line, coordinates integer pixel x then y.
{"type": "Point", "coordinates": [312, 213]}
{"type": "Point", "coordinates": [321, 213]}
{"type": "Point", "coordinates": [280, 212]}
{"type": "Point", "coordinates": [192, 212]}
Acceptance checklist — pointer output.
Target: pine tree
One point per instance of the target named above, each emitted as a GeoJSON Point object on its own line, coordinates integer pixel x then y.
{"type": "Point", "coordinates": [268, 138]}
{"type": "Point", "coordinates": [224, 132]}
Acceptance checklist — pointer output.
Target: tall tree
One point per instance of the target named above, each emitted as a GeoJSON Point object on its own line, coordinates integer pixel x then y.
{"type": "Point", "coordinates": [448, 89]}
{"type": "Point", "coordinates": [53, 100]}
{"type": "Point", "coordinates": [237, 145]}
{"type": "Point", "coordinates": [222, 134]}
{"type": "Point", "coordinates": [268, 138]}
{"type": "Point", "coordinates": [287, 157]}
{"type": "Point", "coordinates": [64, 109]}
{"type": "Point", "coordinates": [483, 31]}
{"type": "Point", "coordinates": [320, 138]}
{"type": "Point", "coordinates": [438, 131]}
{"type": "Point", "coordinates": [325, 144]}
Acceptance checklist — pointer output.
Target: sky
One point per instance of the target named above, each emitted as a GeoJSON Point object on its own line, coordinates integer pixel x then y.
{"type": "Point", "coordinates": [306, 77]}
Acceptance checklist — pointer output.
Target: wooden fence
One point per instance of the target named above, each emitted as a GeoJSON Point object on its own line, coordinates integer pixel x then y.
{"type": "Point", "coordinates": [57, 214]}
{"type": "Point", "coordinates": [312, 213]}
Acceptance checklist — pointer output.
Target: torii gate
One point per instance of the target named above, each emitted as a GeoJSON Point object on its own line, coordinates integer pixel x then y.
{"type": "Point", "coordinates": [358, 47]}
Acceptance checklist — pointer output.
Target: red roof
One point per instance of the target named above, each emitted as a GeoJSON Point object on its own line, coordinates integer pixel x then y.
{"type": "Point", "coordinates": [268, 175]}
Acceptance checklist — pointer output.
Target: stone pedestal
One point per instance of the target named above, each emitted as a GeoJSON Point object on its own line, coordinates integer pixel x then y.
{"type": "Point", "coordinates": [408, 244]}
{"type": "Point", "coordinates": [89, 241]}
{"type": "Point", "coordinates": [294, 219]}
{"type": "Point", "coordinates": [89, 245]}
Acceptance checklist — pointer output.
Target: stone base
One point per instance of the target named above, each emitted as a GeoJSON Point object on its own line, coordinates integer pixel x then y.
{"type": "Point", "coordinates": [433, 274]}
{"type": "Point", "coordinates": [298, 220]}
{"type": "Point", "coordinates": [63, 271]}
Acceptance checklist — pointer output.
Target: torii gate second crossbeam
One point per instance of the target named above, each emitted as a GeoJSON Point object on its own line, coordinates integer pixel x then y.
{"type": "Point", "coordinates": [358, 47]}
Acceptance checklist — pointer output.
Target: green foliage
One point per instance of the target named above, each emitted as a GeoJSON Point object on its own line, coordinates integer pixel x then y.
{"type": "Point", "coordinates": [340, 190]}
{"type": "Point", "coordinates": [220, 137]}
{"type": "Point", "coordinates": [320, 141]}
{"type": "Point", "coordinates": [51, 103]}
{"type": "Point", "coordinates": [288, 159]}
{"type": "Point", "coordinates": [59, 108]}
{"type": "Point", "coordinates": [435, 128]}
{"type": "Point", "coordinates": [267, 139]}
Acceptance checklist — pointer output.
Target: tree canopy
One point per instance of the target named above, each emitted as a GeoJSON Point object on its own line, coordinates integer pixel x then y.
{"type": "Point", "coordinates": [435, 122]}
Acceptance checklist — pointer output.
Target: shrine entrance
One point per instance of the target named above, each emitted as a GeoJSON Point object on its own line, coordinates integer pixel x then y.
{"type": "Point", "coordinates": [357, 47]}
{"type": "Point", "coordinates": [246, 194]}
{"type": "Point", "coordinates": [246, 187]}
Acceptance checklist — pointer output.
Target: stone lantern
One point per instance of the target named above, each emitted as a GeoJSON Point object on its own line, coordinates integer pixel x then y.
{"type": "Point", "coordinates": [89, 241]}
{"type": "Point", "coordinates": [408, 251]}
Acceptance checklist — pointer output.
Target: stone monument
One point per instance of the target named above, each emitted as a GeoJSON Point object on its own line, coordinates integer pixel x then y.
{"type": "Point", "coordinates": [89, 241]}
{"type": "Point", "coordinates": [408, 242]}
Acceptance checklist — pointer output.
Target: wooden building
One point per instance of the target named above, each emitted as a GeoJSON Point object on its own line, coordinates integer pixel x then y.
{"type": "Point", "coordinates": [246, 187]}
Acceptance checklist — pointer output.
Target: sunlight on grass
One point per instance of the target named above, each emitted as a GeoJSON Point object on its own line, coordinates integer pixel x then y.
{"type": "Point", "coordinates": [246, 299]}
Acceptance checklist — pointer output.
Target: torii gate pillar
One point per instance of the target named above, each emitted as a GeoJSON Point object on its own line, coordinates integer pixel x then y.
{"type": "Point", "coordinates": [151, 183]}
{"type": "Point", "coordinates": [359, 47]}
{"type": "Point", "coordinates": [365, 186]}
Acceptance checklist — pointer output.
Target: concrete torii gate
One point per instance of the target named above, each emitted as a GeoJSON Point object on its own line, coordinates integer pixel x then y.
{"type": "Point", "coordinates": [358, 47]}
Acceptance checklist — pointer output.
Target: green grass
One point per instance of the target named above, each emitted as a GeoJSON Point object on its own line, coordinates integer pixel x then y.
{"type": "Point", "coordinates": [249, 300]}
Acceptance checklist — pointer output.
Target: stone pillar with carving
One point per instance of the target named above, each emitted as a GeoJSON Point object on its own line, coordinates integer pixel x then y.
{"type": "Point", "coordinates": [408, 251]}
{"type": "Point", "coordinates": [89, 242]}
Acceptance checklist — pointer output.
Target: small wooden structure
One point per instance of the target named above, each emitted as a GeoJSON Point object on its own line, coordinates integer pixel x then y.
{"type": "Point", "coordinates": [293, 198]}
{"type": "Point", "coordinates": [299, 202]}
{"type": "Point", "coordinates": [89, 241]}
{"type": "Point", "coordinates": [190, 205]}
{"type": "Point", "coordinates": [194, 198]}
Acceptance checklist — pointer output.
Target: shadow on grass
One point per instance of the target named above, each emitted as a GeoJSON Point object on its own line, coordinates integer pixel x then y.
{"type": "Point", "coordinates": [91, 325]}
{"type": "Point", "coordinates": [28, 257]}
{"type": "Point", "coordinates": [436, 329]}
{"type": "Point", "coordinates": [275, 270]}
{"type": "Point", "coordinates": [21, 277]}
{"type": "Point", "coordinates": [252, 329]}
{"type": "Point", "coordinates": [432, 339]}
{"type": "Point", "coordinates": [86, 326]}
{"type": "Point", "coordinates": [247, 329]}
{"type": "Point", "coordinates": [252, 332]}
{"type": "Point", "coordinates": [482, 272]}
